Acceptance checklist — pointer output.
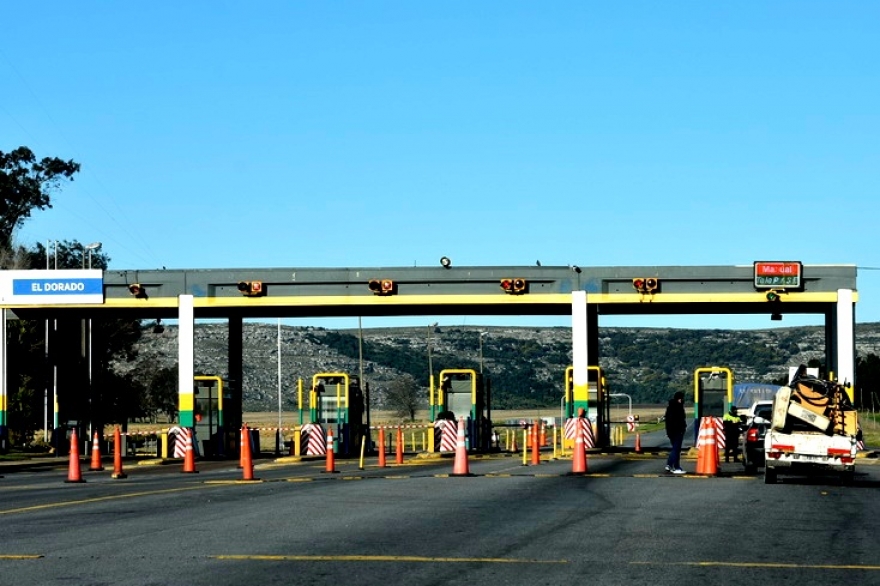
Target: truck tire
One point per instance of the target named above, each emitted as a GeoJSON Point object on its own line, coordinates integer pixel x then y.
{"type": "Point", "coordinates": [769, 475]}
{"type": "Point", "coordinates": [848, 477]}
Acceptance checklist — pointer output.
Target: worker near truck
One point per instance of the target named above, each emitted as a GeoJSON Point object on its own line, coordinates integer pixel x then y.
{"type": "Point", "coordinates": [676, 425]}
{"type": "Point", "coordinates": [731, 434]}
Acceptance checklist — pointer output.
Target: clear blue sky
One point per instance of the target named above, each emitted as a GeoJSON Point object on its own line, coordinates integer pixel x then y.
{"type": "Point", "coordinates": [337, 134]}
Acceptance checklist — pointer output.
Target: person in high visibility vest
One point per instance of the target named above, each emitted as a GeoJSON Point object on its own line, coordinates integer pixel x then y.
{"type": "Point", "coordinates": [731, 434]}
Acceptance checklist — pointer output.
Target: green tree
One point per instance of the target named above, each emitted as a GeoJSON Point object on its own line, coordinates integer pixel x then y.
{"type": "Point", "coordinates": [867, 380]}
{"type": "Point", "coordinates": [402, 397]}
{"type": "Point", "coordinates": [25, 185]}
{"type": "Point", "coordinates": [112, 398]}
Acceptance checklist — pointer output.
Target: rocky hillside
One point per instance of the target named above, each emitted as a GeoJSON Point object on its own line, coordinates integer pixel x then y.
{"type": "Point", "coordinates": [524, 364]}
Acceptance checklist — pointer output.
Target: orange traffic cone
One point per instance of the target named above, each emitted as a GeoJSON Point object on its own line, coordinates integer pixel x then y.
{"type": "Point", "coordinates": [638, 443]}
{"type": "Point", "coordinates": [579, 457]}
{"type": "Point", "coordinates": [247, 469]}
{"type": "Point", "coordinates": [96, 454]}
{"type": "Point", "coordinates": [331, 460]}
{"type": "Point", "coordinates": [460, 468]}
{"type": "Point", "coordinates": [117, 455]}
{"type": "Point", "coordinates": [399, 447]}
{"type": "Point", "coordinates": [543, 434]}
{"type": "Point", "coordinates": [707, 453]}
{"type": "Point", "coordinates": [74, 474]}
{"type": "Point", "coordinates": [189, 454]}
{"type": "Point", "coordinates": [536, 445]}
{"type": "Point", "coordinates": [241, 437]}
{"type": "Point", "coordinates": [381, 447]}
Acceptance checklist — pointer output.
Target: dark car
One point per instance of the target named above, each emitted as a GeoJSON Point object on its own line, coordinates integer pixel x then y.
{"type": "Point", "coordinates": [752, 439]}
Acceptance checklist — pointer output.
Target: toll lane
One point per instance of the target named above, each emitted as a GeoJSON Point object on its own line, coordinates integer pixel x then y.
{"type": "Point", "coordinates": [625, 521]}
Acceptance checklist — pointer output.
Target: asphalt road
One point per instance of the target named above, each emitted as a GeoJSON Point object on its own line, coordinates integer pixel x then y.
{"type": "Point", "coordinates": [625, 522]}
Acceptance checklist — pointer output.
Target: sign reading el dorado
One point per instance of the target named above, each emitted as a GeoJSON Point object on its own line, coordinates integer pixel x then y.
{"type": "Point", "coordinates": [65, 286]}
{"type": "Point", "coordinates": [778, 274]}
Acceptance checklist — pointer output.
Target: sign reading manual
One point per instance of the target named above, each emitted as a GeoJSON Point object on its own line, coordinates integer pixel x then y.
{"type": "Point", "coordinates": [52, 287]}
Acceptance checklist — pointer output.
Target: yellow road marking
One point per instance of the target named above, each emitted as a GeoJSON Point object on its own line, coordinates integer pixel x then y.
{"type": "Point", "coordinates": [20, 557]}
{"type": "Point", "coordinates": [383, 558]}
{"type": "Point", "coordinates": [98, 499]}
{"type": "Point", "coordinates": [771, 565]}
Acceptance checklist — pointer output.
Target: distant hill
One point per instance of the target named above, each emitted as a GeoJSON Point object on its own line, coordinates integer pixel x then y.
{"type": "Point", "coordinates": [525, 364]}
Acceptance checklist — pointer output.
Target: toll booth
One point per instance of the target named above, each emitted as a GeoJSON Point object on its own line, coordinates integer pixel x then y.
{"type": "Point", "coordinates": [210, 432]}
{"type": "Point", "coordinates": [336, 401]}
{"type": "Point", "coordinates": [464, 393]}
{"type": "Point", "coordinates": [595, 404]}
{"type": "Point", "coordinates": [713, 393]}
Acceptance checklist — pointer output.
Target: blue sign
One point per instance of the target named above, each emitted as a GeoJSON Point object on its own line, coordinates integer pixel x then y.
{"type": "Point", "coordinates": [57, 287]}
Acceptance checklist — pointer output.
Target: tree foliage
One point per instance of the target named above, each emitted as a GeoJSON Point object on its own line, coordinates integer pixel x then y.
{"type": "Point", "coordinates": [403, 397]}
{"type": "Point", "coordinates": [112, 398]}
{"type": "Point", "coordinates": [25, 185]}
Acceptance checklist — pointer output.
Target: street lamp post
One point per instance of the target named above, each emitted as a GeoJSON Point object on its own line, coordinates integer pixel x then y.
{"type": "Point", "coordinates": [47, 361]}
{"type": "Point", "coordinates": [430, 363]}
{"type": "Point", "coordinates": [89, 248]}
{"type": "Point", "coordinates": [481, 350]}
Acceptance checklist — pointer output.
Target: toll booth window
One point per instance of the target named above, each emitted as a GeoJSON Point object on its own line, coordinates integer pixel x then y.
{"type": "Point", "coordinates": [713, 396]}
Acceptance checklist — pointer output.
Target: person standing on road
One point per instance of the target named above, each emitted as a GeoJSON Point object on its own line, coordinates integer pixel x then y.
{"type": "Point", "coordinates": [676, 425]}
{"type": "Point", "coordinates": [731, 434]}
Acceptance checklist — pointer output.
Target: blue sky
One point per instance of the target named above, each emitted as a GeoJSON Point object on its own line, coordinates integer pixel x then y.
{"type": "Point", "coordinates": [342, 134]}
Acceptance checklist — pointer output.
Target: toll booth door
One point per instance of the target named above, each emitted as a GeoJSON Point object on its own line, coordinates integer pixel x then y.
{"type": "Point", "coordinates": [207, 416]}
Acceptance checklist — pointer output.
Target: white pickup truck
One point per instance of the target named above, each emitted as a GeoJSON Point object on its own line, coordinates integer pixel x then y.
{"type": "Point", "coordinates": [813, 428]}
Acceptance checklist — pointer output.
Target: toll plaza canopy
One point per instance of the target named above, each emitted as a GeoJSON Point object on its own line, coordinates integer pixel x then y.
{"type": "Point", "coordinates": [773, 288]}
{"type": "Point", "coordinates": [449, 290]}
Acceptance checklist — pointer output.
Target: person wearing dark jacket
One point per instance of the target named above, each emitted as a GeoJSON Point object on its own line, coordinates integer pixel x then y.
{"type": "Point", "coordinates": [676, 425]}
